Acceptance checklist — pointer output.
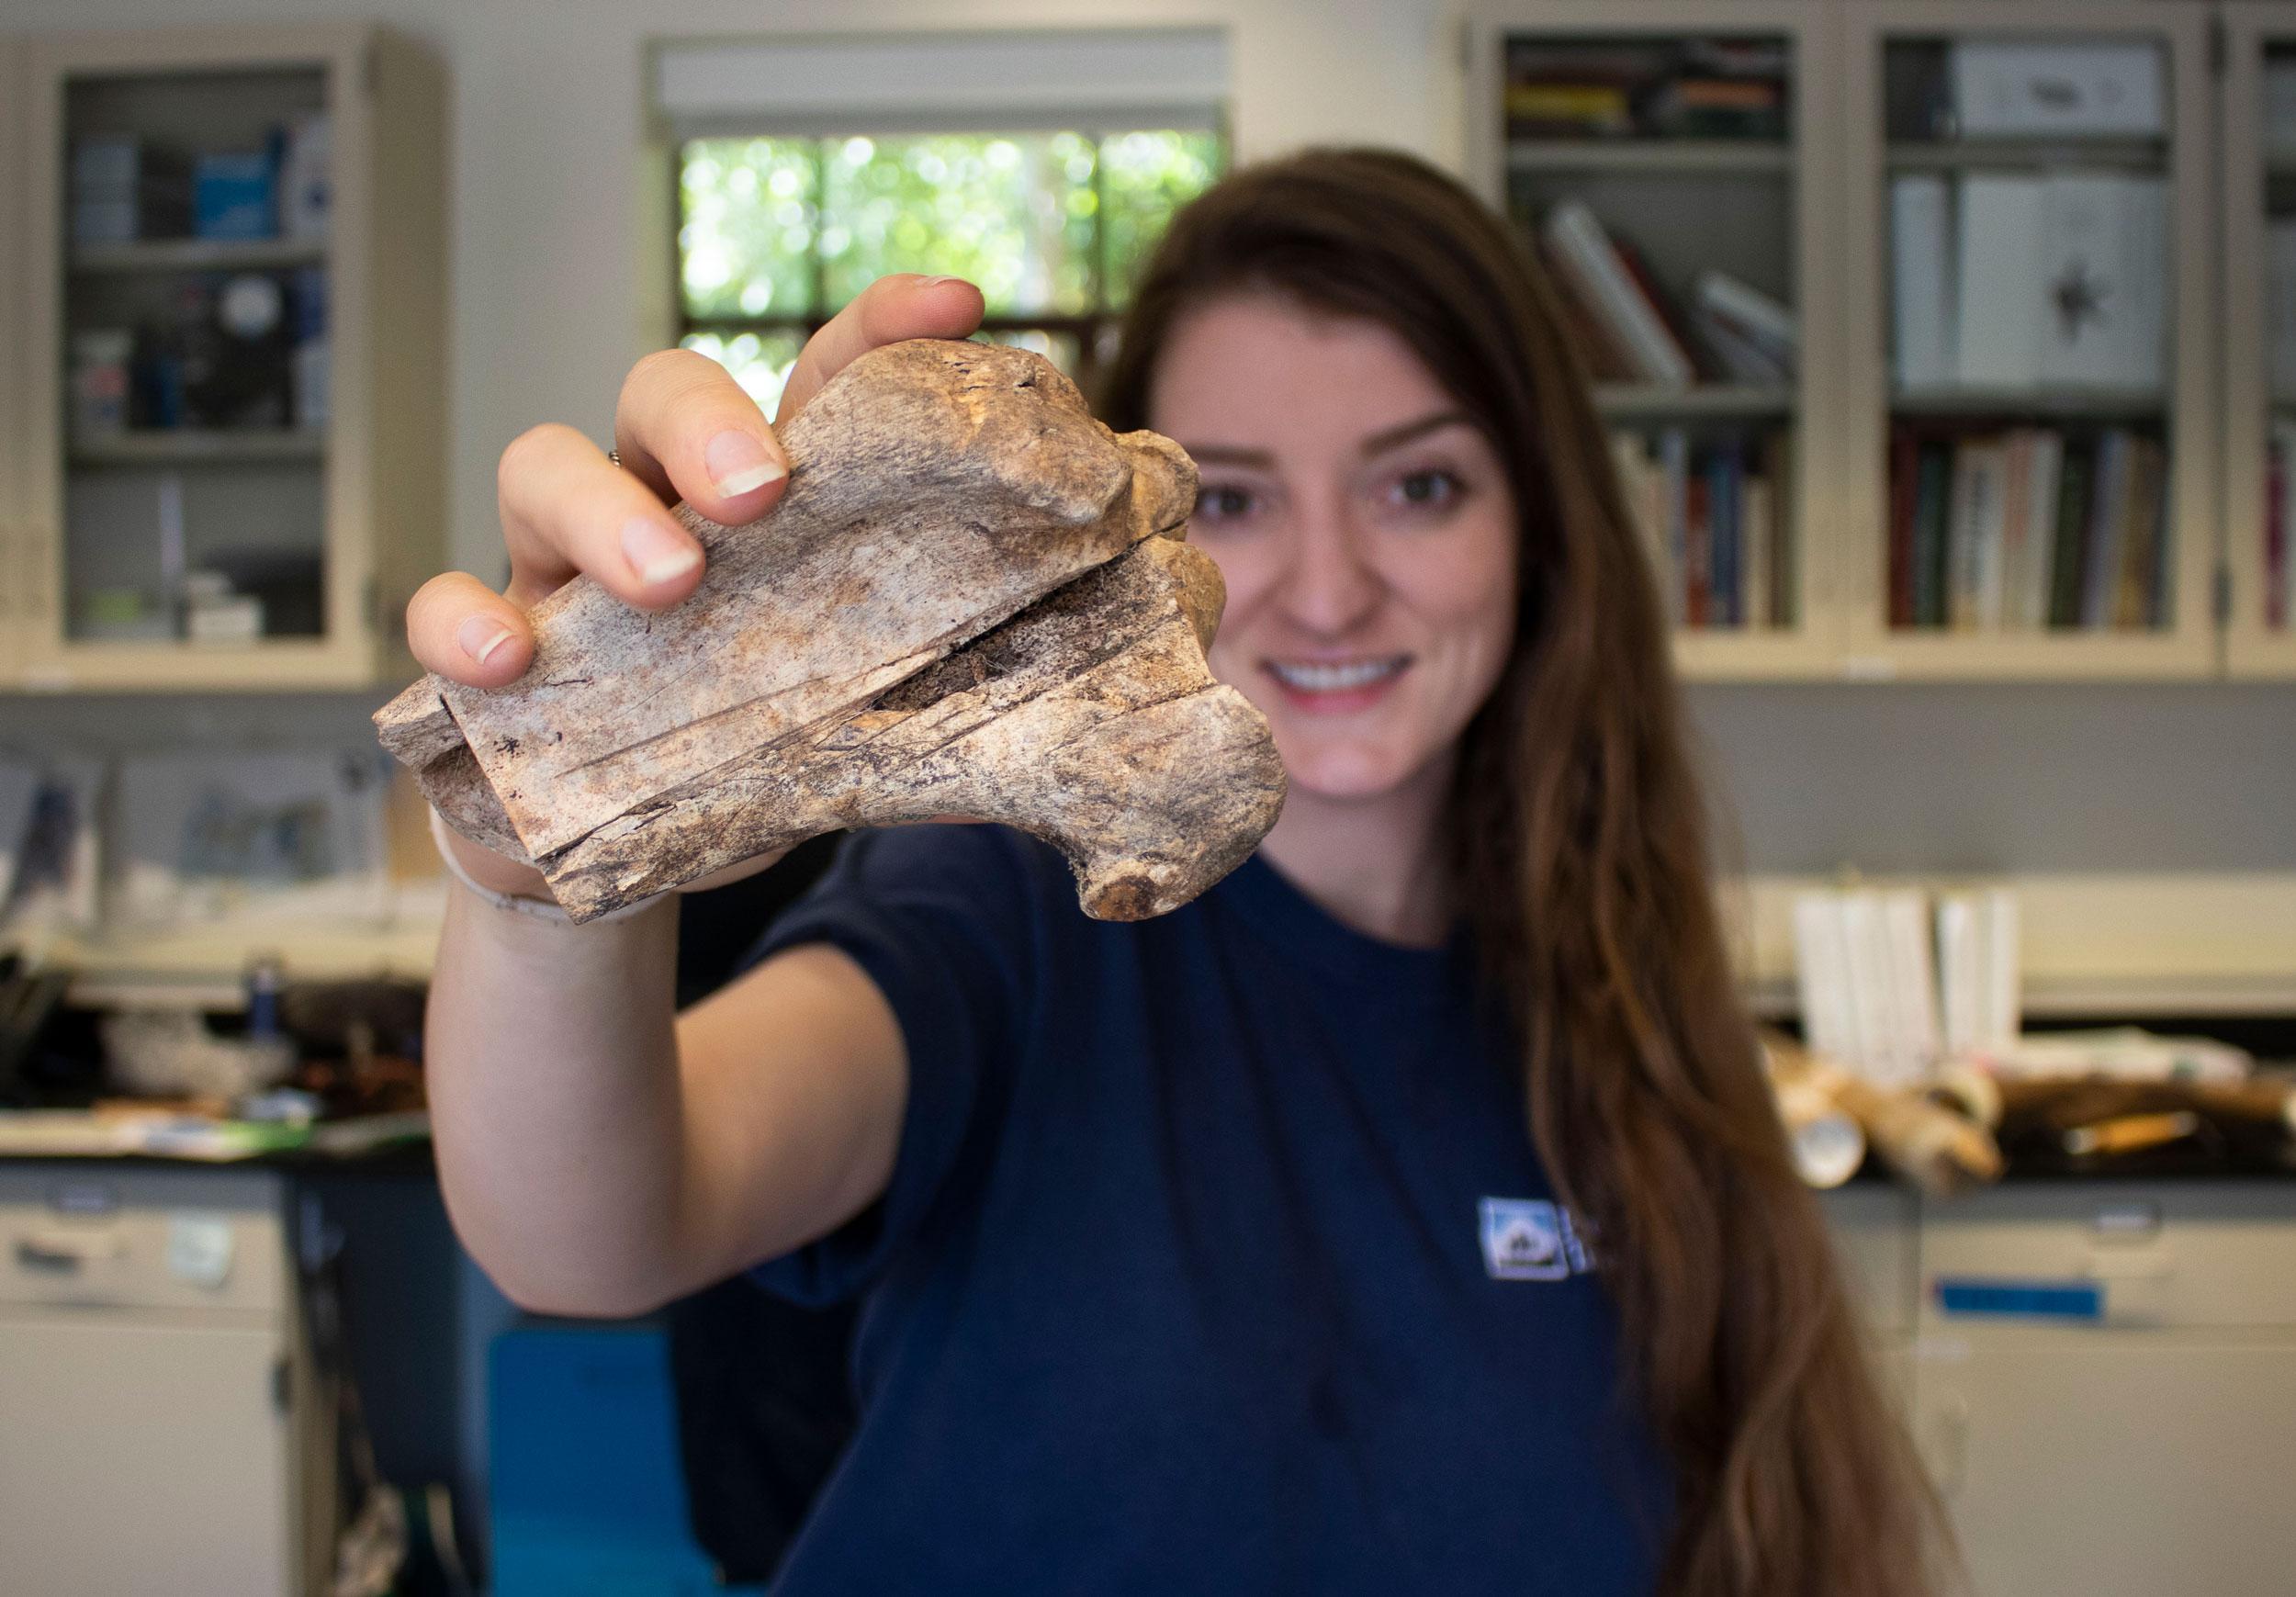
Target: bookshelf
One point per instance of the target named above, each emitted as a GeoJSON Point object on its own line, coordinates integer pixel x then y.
{"type": "Point", "coordinates": [2028, 482]}
{"type": "Point", "coordinates": [1872, 111]}
{"type": "Point", "coordinates": [1681, 137]}
{"type": "Point", "coordinates": [2259, 433]}
{"type": "Point", "coordinates": [224, 355]}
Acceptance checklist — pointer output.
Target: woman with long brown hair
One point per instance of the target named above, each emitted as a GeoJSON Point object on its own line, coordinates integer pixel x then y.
{"type": "Point", "coordinates": [1408, 1213]}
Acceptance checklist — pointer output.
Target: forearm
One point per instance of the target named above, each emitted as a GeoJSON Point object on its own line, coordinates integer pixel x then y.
{"type": "Point", "coordinates": [558, 1111]}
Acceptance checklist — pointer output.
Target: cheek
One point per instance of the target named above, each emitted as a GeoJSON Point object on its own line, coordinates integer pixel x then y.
{"type": "Point", "coordinates": [1247, 569]}
{"type": "Point", "coordinates": [1471, 591]}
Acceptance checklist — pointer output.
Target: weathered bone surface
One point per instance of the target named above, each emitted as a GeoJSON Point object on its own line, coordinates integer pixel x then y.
{"type": "Point", "coordinates": [882, 648]}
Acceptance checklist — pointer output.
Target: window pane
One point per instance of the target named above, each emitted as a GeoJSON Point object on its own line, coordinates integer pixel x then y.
{"type": "Point", "coordinates": [745, 248]}
{"type": "Point", "coordinates": [1012, 213]}
{"type": "Point", "coordinates": [1144, 177]}
{"type": "Point", "coordinates": [759, 361]}
{"type": "Point", "coordinates": [1062, 349]}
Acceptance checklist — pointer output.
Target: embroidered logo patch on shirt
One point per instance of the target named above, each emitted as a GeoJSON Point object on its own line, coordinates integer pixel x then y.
{"type": "Point", "coordinates": [1530, 1239]}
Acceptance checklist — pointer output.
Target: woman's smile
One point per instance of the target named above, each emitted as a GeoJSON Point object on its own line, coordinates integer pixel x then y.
{"type": "Point", "coordinates": [1339, 686]}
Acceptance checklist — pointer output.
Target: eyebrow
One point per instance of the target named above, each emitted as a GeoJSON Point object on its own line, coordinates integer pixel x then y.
{"type": "Point", "coordinates": [1378, 444]}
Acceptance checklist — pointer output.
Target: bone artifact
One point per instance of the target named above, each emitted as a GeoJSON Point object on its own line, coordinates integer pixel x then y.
{"type": "Point", "coordinates": [972, 599]}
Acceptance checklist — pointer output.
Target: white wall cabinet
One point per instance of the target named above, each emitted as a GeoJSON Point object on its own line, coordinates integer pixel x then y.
{"type": "Point", "coordinates": [1807, 216]}
{"type": "Point", "coordinates": [265, 486]}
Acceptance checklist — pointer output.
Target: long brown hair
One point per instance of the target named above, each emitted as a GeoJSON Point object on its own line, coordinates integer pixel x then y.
{"type": "Point", "coordinates": [1577, 838]}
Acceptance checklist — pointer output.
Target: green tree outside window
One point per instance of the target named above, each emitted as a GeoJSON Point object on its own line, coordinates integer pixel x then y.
{"type": "Point", "coordinates": [776, 233]}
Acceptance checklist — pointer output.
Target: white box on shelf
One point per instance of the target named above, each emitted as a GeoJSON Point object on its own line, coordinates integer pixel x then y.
{"type": "Point", "coordinates": [1996, 281]}
{"type": "Point", "coordinates": [2104, 254]}
{"type": "Point", "coordinates": [1921, 278]}
{"type": "Point", "coordinates": [2062, 88]}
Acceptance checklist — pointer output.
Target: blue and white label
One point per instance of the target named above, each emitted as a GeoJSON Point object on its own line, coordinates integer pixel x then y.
{"type": "Point", "coordinates": [1530, 1239]}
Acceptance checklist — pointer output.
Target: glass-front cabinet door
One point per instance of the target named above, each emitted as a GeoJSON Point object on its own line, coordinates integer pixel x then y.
{"type": "Point", "coordinates": [1661, 162]}
{"type": "Point", "coordinates": [2257, 137]}
{"type": "Point", "coordinates": [2026, 248]}
{"type": "Point", "coordinates": [211, 502]}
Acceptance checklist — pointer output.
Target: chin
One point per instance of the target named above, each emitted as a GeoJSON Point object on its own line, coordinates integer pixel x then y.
{"type": "Point", "coordinates": [1344, 771]}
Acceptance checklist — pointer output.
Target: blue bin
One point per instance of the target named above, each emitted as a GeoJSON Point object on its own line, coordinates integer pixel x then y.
{"type": "Point", "coordinates": [588, 1497]}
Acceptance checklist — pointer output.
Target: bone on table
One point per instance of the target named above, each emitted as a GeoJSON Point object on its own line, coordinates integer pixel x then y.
{"type": "Point", "coordinates": [972, 599]}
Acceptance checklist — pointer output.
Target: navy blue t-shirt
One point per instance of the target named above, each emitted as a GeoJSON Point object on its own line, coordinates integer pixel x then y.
{"type": "Point", "coordinates": [1216, 1259]}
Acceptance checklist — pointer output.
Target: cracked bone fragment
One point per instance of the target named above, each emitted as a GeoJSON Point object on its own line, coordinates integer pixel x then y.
{"type": "Point", "coordinates": [969, 602]}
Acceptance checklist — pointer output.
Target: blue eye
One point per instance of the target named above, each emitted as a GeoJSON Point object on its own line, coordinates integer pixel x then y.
{"type": "Point", "coordinates": [1432, 487]}
{"type": "Point", "coordinates": [1220, 502]}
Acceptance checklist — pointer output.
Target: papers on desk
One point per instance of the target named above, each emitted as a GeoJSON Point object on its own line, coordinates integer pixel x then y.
{"type": "Point", "coordinates": [170, 1134]}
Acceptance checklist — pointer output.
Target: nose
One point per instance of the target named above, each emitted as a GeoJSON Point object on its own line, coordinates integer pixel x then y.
{"type": "Point", "coordinates": [1330, 585]}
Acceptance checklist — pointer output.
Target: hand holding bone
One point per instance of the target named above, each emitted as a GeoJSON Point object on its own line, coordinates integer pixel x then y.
{"type": "Point", "coordinates": [970, 600]}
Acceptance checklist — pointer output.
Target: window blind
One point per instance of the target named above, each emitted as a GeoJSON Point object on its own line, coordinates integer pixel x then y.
{"type": "Point", "coordinates": [953, 82]}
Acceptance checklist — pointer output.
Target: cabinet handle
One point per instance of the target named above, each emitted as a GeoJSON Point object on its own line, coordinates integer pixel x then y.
{"type": "Point", "coordinates": [58, 1258]}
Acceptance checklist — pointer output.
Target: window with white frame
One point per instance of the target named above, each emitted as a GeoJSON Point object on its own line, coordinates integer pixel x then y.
{"type": "Point", "coordinates": [1043, 167]}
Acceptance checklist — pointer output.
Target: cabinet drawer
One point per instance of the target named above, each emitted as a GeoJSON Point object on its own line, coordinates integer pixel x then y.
{"type": "Point", "coordinates": [98, 1235]}
{"type": "Point", "coordinates": [2118, 1253]}
{"type": "Point", "coordinates": [1872, 1224]}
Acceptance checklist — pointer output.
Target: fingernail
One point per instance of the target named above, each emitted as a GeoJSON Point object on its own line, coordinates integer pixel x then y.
{"type": "Point", "coordinates": [936, 282]}
{"type": "Point", "coordinates": [481, 636]}
{"type": "Point", "coordinates": [656, 553]}
{"type": "Point", "coordinates": [739, 463]}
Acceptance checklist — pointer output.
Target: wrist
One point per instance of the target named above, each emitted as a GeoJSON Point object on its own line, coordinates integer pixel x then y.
{"type": "Point", "coordinates": [531, 898]}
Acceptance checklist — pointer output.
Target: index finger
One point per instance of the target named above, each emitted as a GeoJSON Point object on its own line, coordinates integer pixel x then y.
{"type": "Point", "coordinates": [684, 428]}
{"type": "Point", "coordinates": [887, 312]}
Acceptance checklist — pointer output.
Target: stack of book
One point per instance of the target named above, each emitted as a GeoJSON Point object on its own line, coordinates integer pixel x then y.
{"type": "Point", "coordinates": [1630, 331]}
{"type": "Point", "coordinates": [1893, 983]}
{"type": "Point", "coordinates": [1689, 88]}
{"type": "Point", "coordinates": [1713, 521]}
{"type": "Point", "coordinates": [2029, 528]}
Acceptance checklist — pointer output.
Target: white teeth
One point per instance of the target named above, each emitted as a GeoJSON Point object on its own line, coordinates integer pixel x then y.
{"type": "Point", "coordinates": [1334, 679]}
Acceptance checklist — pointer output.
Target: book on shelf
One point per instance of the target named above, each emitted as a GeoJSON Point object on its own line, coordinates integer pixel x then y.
{"type": "Point", "coordinates": [1629, 330]}
{"type": "Point", "coordinates": [1711, 518]}
{"type": "Point", "coordinates": [1974, 535]}
{"type": "Point", "coordinates": [1716, 108]}
{"type": "Point", "coordinates": [1568, 111]}
{"type": "Point", "coordinates": [1753, 338]}
{"type": "Point", "coordinates": [1892, 980]}
{"type": "Point", "coordinates": [2280, 519]}
{"type": "Point", "coordinates": [2057, 88]}
{"type": "Point", "coordinates": [1671, 88]}
{"type": "Point", "coordinates": [1604, 360]}
{"type": "Point", "coordinates": [1673, 463]}
{"type": "Point", "coordinates": [1866, 970]}
{"type": "Point", "coordinates": [1606, 284]}
{"type": "Point", "coordinates": [2026, 528]}
{"type": "Point", "coordinates": [1979, 969]}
